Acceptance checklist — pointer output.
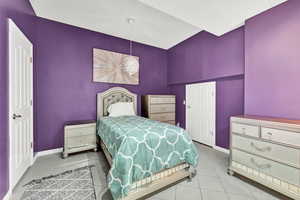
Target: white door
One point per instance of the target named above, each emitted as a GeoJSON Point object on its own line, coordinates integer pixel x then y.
{"type": "Point", "coordinates": [20, 100]}
{"type": "Point", "coordinates": [201, 112]}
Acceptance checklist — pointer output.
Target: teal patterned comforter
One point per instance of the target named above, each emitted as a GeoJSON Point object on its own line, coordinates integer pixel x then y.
{"type": "Point", "coordinates": [141, 147]}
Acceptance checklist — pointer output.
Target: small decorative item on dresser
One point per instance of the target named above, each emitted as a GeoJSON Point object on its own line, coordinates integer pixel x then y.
{"type": "Point", "coordinates": [160, 107]}
{"type": "Point", "coordinates": [79, 136]}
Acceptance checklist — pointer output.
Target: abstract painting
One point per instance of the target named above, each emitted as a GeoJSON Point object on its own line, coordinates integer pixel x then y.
{"type": "Point", "coordinates": [112, 67]}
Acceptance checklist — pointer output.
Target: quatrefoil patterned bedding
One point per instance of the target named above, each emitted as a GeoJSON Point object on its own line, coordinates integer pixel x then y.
{"type": "Point", "coordinates": [141, 147]}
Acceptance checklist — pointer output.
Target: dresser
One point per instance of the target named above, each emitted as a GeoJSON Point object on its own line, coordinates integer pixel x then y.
{"type": "Point", "coordinates": [79, 136]}
{"type": "Point", "coordinates": [267, 150]}
{"type": "Point", "coordinates": [159, 107]}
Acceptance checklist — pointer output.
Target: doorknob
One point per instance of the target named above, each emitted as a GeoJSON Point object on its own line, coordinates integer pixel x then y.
{"type": "Point", "coordinates": [15, 116]}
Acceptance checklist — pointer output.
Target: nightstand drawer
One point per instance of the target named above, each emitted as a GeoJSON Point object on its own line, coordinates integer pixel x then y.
{"type": "Point", "coordinates": [163, 116]}
{"type": "Point", "coordinates": [281, 136]}
{"type": "Point", "coordinates": [159, 100]}
{"type": "Point", "coordinates": [73, 131]}
{"type": "Point", "coordinates": [81, 142]}
{"type": "Point", "coordinates": [271, 168]}
{"type": "Point", "coordinates": [162, 108]}
{"type": "Point", "coordinates": [276, 152]}
{"type": "Point", "coordinates": [244, 129]}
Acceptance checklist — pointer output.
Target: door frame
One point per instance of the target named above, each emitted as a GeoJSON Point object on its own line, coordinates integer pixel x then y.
{"type": "Point", "coordinates": [214, 83]}
{"type": "Point", "coordinates": [12, 25]}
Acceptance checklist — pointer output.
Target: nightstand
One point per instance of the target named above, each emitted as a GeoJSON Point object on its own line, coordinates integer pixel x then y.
{"type": "Point", "coordinates": [79, 136]}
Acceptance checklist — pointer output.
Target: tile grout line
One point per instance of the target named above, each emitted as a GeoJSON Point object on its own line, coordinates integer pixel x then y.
{"type": "Point", "coordinates": [225, 190]}
{"type": "Point", "coordinates": [202, 198]}
{"type": "Point", "coordinates": [228, 193]}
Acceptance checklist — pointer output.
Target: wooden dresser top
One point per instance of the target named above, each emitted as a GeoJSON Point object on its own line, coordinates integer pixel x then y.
{"type": "Point", "coordinates": [271, 119]}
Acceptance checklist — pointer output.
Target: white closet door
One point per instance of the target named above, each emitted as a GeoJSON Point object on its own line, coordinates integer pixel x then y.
{"type": "Point", "coordinates": [201, 112]}
{"type": "Point", "coordinates": [21, 112]}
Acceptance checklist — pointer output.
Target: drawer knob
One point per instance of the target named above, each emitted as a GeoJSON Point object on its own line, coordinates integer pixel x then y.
{"type": "Point", "coordinates": [260, 166]}
{"type": "Point", "coordinates": [244, 130]}
{"type": "Point", "coordinates": [261, 149]}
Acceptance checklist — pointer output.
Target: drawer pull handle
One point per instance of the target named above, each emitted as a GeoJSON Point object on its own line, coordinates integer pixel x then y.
{"type": "Point", "coordinates": [269, 133]}
{"type": "Point", "coordinates": [260, 166]}
{"type": "Point", "coordinates": [244, 130]}
{"type": "Point", "coordinates": [260, 149]}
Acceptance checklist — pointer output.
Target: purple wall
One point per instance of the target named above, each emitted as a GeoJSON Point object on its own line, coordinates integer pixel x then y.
{"type": "Point", "coordinates": [63, 69]}
{"type": "Point", "coordinates": [21, 13]}
{"type": "Point", "coordinates": [230, 102]}
{"type": "Point", "coordinates": [272, 62]}
{"type": "Point", "coordinates": [205, 57]}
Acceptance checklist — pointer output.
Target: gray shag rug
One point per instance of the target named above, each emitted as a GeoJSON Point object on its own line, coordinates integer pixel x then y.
{"type": "Point", "coordinates": [74, 184]}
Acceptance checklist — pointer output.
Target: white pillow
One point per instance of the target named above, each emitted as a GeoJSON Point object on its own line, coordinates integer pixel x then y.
{"type": "Point", "coordinates": [121, 109]}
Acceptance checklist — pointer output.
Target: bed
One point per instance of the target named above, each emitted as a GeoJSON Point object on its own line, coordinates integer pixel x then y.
{"type": "Point", "coordinates": [145, 156]}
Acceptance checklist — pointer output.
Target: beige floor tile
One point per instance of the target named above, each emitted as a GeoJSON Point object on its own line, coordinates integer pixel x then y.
{"type": "Point", "coordinates": [168, 194]}
{"type": "Point", "coordinates": [186, 193]}
{"type": "Point", "coordinates": [240, 197]}
{"type": "Point", "coordinates": [194, 183]}
{"type": "Point", "coordinates": [213, 195]}
{"type": "Point", "coordinates": [210, 183]}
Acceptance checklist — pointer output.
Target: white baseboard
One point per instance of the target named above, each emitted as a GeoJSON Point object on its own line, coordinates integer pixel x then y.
{"type": "Point", "coordinates": [7, 196]}
{"type": "Point", "coordinates": [47, 152]}
{"type": "Point", "coordinates": [222, 149]}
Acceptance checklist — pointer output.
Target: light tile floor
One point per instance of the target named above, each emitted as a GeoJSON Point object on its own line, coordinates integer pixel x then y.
{"type": "Point", "coordinates": [210, 183]}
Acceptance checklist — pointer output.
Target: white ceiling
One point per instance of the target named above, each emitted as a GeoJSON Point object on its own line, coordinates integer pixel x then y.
{"type": "Point", "coordinates": [151, 26]}
{"type": "Point", "coordinates": [215, 16]}
{"type": "Point", "coordinates": [159, 23]}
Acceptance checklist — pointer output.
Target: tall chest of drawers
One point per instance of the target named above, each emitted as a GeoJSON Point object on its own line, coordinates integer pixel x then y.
{"type": "Point", "coordinates": [267, 150]}
{"type": "Point", "coordinates": [159, 107]}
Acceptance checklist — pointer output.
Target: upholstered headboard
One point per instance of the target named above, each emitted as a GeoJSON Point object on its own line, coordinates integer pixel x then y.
{"type": "Point", "coordinates": [111, 96]}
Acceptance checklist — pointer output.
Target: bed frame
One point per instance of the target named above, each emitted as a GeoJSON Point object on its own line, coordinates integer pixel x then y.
{"type": "Point", "coordinates": [156, 182]}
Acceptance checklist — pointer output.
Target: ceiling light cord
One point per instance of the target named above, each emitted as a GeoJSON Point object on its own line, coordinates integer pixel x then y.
{"type": "Point", "coordinates": [130, 21]}
{"type": "Point", "coordinates": [130, 50]}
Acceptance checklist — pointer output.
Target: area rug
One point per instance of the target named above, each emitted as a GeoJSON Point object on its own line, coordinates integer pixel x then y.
{"type": "Point", "coordinates": [74, 184]}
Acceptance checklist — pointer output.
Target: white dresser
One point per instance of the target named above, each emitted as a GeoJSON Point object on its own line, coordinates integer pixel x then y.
{"type": "Point", "coordinates": [159, 107]}
{"type": "Point", "coordinates": [267, 150]}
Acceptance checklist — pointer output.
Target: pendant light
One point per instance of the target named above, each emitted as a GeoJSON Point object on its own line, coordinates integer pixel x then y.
{"type": "Point", "coordinates": [131, 64]}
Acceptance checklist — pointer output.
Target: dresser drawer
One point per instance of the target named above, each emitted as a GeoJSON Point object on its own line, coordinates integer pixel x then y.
{"type": "Point", "coordinates": [271, 168]}
{"type": "Point", "coordinates": [73, 131]}
{"type": "Point", "coordinates": [245, 129]}
{"type": "Point", "coordinates": [159, 100]}
{"type": "Point", "coordinates": [275, 152]}
{"type": "Point", "coordinates": [81, 142]}
{"type": "Point", "coordinates": [280, 136]}
{"type": "Point", "coordinates": [163, 116]}
{"type": "Point", "coordinates": [162, 108]}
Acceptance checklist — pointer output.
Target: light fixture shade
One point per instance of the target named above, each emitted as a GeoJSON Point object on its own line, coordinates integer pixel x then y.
{"type": "Point", "coordinates": [131, 65]}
